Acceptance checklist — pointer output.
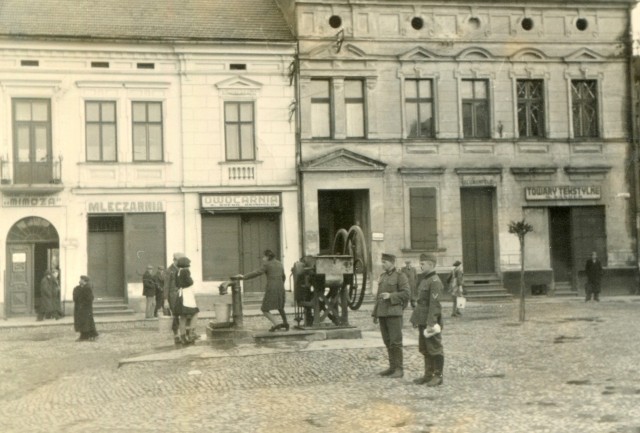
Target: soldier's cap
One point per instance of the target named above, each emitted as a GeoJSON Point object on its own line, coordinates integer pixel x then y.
{"type": "Point", "coordinates": [84, 278]}
{"type": "Point", "coordinates": [388, 257]}
{"type": "Point", "coordinates": [428, 258]}
{"type": "Point", "coordinates": [457, 263]}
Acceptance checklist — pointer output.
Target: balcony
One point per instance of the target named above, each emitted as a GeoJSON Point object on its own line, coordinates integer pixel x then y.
{"type": "Point", "coordinates": [34, 178]}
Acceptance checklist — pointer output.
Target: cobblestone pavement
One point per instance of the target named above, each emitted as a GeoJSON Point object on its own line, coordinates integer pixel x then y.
{"type": "Point", "coordinates": [571, 367]}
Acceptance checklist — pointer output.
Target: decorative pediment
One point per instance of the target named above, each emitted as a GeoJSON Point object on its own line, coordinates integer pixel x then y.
{"type": "Point", "coordinates": [334, 50]}
{"type": "Point", "coordinates": [418, 54]}
{"type": "Point", "coordinates": [343, 160]}
{"type": "Point", "coordinates": [239, 83]}
{"type": "Point", "coordinates": [584, 55]}
{"type": "Point", "coordinates": [528, 55]}
{"type": "Point", "coordinates": [474, 53]}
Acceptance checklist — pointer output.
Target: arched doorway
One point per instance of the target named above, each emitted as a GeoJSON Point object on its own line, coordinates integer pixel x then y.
{"type": "Point", "coordinates": [33, 246]}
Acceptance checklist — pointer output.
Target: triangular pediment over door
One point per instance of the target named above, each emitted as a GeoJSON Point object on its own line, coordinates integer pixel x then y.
{"type": "Point", "coordinates": [343, 160]}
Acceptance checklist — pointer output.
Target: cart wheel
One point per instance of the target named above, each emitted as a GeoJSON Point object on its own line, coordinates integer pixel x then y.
{"type": "Point", "coordinates": [340, 242]}
{"type": "Point", "coordinates": [357, 248]}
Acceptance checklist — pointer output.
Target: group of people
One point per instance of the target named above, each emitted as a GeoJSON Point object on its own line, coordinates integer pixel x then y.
{"type": "Point", "coordinates": [424, 291]}
{"type": "Point", "coordinates": [153, 290]}
{"type": "Point", "coordinates": [50, 306]}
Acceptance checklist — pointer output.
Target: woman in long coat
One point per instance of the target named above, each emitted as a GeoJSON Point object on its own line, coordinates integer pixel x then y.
{"type": "Point", "coordinates": [83, 310]}
{"type": "Point", "coordinates": [49, 296]}
{"type": "Point", "coordinates": [274, 292]}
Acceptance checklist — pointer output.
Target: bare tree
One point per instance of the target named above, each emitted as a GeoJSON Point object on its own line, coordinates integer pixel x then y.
{"type": "Point", "coordinates": [521, 228]}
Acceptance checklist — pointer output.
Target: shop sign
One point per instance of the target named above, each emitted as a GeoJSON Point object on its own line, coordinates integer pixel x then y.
{"type": "Point", "coordinates": [142, 206]}
{"type": "Point", "coordinates": [239, 201]}
{"type": "Point", "coordinates": [562, 192]}
{"type": "Point", "coordinates": [31, 201]}
{"type": "Point", "coordinates": [478, 181]}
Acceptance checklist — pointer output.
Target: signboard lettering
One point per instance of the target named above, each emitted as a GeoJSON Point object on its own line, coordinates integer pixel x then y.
{"type": "Point", "coordinates": [31, 201]}
{"type": "Point", "coordinates": [125, 206]}
{"type": "Point", "coordinates": [222, 201]}
{"type": "Point", "coordinates": [562, 192]}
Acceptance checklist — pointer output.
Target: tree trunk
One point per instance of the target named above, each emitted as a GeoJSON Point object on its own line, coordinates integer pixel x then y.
{"type": "Point", "coordinates": [521, 278]}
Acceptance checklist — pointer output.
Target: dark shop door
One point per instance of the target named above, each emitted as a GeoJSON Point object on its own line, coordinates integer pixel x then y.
{"type": "Point", "coordinates": [560, 242]}
{"type": "Point", "coordinates": [106, 256]}
{"type": "Point", "coordinates": [258, 233]}
{"type": "Point", "coordinates": [477, 230]}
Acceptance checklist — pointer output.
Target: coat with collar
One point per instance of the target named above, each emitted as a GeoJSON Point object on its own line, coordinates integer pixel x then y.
{"type": "Point", "coordinates": [397, 285]}
{"type": "Point", "coordinates": [428, 310]}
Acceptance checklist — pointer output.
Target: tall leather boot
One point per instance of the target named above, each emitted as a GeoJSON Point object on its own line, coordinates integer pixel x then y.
{"type": "Point", "coordinates": [392, 367]}
{"type": "Point", "coordinates": [437, 378]}
{"type": "Point", "coordinates": [398, 371]}
{"type": "Point", "coordinates": [428, 371]}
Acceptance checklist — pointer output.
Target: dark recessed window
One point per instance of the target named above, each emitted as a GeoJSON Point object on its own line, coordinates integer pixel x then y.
{"type": "Point", "coordinates": [29, 63]}
{"type": "Point", "coordinates": [527, 24]}
{"type": "Point", "coordinates": [582, 24]}
{"type": "Point", "coordinates": [99, 64]}
{"type": "Point", "coordinates": [335, 21]}
{"type": "Point", "coordinates": [238, 66]}
{"type": "Point", "coordinates": [417, 23]}
{"type": "Point", "coordinates": [146, 65]}
{"type": "Point", "coordinates": [474, 22]}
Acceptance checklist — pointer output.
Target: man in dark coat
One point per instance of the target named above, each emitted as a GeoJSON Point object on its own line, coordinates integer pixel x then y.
{"type": "Point", "coordinates": [149, 292]}
{"type": "Point", "coordinates": [159, 282]}
{"type": "Point", "coordinates": [274, 295]}
{"type": "Point", "coordinates": [49, 297]}
{"type": "Point", "coordinates": [593, 269]}
{"type": "Point", "coordinates": [392, 297]}
{"type": "Point", "coordinates": [170, 295]}
{"type": "Point", "coordinates": [83, 310]}
{"type": "Point", "coordinates": [427, 317]}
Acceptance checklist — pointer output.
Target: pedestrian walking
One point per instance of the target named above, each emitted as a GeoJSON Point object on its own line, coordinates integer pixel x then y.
{"type": "Point", "coordinates": [83, 310]}
{"type": "Point", "coordinates": [392, 298]}
{"type": "Point", "coordinates": [427, 317]}
{"type": "Point", "coordinates": [170, 296]}
{"type": "Point", "coordinates": [149, 291]}
{"type": "Point", "coordinates": [186, 307]}
{"type": "Point", "coordinates": [50, 307]}
{"type": "Point", "coordinates": [593, 269]}
{"type": "Point", "coordinates": [410, 272]}
{"type": "Point", "coordinates": [158, 280]}
{"type": "Point", "coordinates": [274, 296]}
{"type": "Point", "coordinates": [455, 281]}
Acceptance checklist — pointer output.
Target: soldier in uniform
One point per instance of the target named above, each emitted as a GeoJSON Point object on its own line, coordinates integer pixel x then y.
{"type": "Point", "coordinates": [427, 316]}
{"type": "Point", "coordinates": [393, 296]}
{"type": "Point", "coordinates": [410, 272]}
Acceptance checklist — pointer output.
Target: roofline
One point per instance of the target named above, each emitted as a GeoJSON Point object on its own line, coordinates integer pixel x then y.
{"type": "Point", "coordinates": [139, 40]}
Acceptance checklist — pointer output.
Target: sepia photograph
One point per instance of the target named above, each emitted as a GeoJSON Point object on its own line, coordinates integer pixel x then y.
{"type": "Point", "coordinates": [319, 216]}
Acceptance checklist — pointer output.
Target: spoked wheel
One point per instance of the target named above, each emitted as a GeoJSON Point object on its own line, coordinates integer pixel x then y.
{"type": "Point", "coordinates": [340, 242]}
{"type": "Point", "coordinates": [356, 246]}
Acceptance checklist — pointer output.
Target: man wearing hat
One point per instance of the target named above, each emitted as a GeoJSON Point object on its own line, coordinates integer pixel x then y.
{"type": "Point", "coordinates": [410, 272]}
{"type": "Point", "coordinates": [149, 291]}
{"type": "Point", "coordinates": [393, 296]}
{"type": "Point", "coordinates": [455, 282]}
{"type": "Point", "coordinates": [427, 316]}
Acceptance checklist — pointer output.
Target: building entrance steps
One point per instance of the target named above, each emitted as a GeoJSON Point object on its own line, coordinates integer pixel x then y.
{"type": "Point", "coordinates": [563, 288]}
{"type": "Point", "coordinates": [485, 287]}
{"type": "Point", "coordinates": [111, 307]}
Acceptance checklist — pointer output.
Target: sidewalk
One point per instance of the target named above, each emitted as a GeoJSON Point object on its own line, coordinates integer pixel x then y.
{"type": "Point", "coordinates": [30, 321]}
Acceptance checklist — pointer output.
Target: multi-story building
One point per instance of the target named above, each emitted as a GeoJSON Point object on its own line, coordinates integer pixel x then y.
{"type": "Point", "coordinates": [133, 130]}
{"type": "Point", "coordinates": [435, 124]}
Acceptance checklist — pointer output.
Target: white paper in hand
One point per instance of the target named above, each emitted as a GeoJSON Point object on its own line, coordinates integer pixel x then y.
{"type": "Point", "coordinates": [430, 332]}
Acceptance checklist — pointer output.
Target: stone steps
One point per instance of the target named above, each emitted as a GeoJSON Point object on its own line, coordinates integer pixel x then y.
{"type": "Point", "coordinates": [111, 307]}
{"type": "Point", "coordinates": [485, 288]}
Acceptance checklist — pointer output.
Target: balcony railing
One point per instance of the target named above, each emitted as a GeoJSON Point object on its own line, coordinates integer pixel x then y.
{"type": "Point", "coordinates": [32, 177]}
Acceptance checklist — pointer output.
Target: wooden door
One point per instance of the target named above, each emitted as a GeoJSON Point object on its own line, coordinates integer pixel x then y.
{"type": "Point", "coordinates": [588, 234]}
{"type": "Point", "coordinates": [478, 250]}
{"type": "Point", "coordinates": [106, 263]}
{"type": "Point", "coordinates": [20, 279]}
{"type": "Point", "coordinates": [258, 233]}
{"type": "Point", "coordinates": [560, 243]}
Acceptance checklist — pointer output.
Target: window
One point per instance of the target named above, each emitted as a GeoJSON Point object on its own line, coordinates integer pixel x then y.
{"type": "Point", "coordinates": [418, 101]}
{"type": "Point", "coordinates": [32, 149]}
{"type": "Point", "coordinates": [584, 99]}
{"type": "Point", "coordinates": [423, 219]}
{"type": "Point", "coordinates": [475, 108]}
{"type": "Point", "coordinates": [147, 131]}
{"type": "Point", "coordinates": [321, 126]}
{"type": "Point", "coordinates": [239, 131]}
{"type": "Point", "coordinates": [100, 132]}
{"type": "Point", "coordinates": [530, 108]}
{"type": "Point", "coordinates": [354, 108]}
